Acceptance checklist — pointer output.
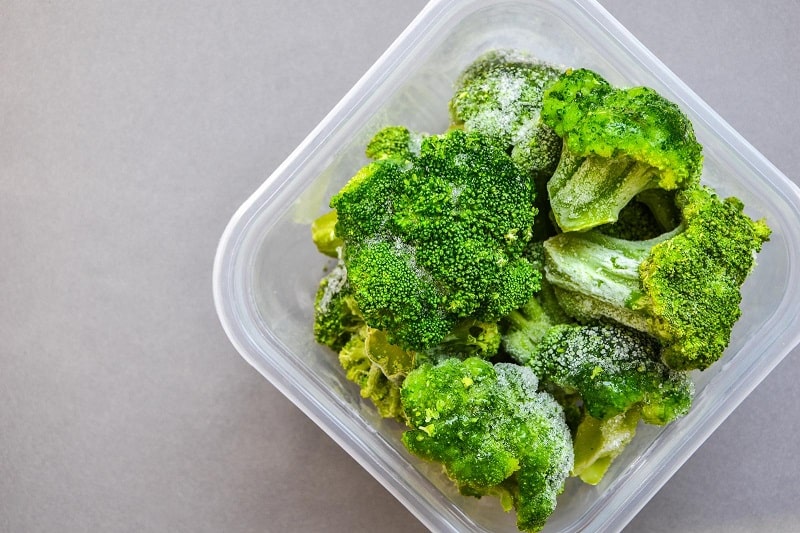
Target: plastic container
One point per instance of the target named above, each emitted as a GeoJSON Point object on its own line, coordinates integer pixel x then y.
{"type": "Point", "coordinates": [267, 269]}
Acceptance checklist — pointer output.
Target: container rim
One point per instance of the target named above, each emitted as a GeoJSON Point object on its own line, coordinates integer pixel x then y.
{"type": "Point", "coordinates": [434, 516]}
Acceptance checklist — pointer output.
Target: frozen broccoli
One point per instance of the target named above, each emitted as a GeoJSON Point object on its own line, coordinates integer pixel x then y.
{"type": "Point", "coordinates": [493, 432]}
{"type": "Point", "coordinates": [617, 143]}
{"type": "Point", "coordinates": [438, 238]}
{"type": "Point", "coordinates": [597, 443]}
{"type": "Point", "coordinates": [682, 287]}
{"type": "Point", "coordinates": [500, 95]}
{"type": "Point", "coordinates": [614, 369]}
{"type": "Point", "coordinates": [336, 315]}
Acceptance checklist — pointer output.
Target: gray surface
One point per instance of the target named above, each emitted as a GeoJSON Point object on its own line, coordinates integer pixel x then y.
{"type": "Point", "coordinates": [130, 132]}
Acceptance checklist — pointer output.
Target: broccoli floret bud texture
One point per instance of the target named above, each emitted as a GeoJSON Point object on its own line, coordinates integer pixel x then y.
{"type": "Point", "coordinates": [438, 238]}
{"type": "Point", "coordinates": [488, 425]}
{"type": "Point", "coordinates": [616, 144]}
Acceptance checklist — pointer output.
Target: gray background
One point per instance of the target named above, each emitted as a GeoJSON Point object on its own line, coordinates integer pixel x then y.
{"type": "Point", "coordinates": [129, 134]}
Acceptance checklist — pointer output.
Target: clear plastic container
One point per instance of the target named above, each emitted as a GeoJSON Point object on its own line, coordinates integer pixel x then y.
{"type": "Point", "coordinates": [267, 269]}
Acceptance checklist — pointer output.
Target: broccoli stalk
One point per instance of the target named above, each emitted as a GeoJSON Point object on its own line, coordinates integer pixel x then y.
{"type": "Point", "coordinates": [617, 143]}
{"type": "Point", "coordinates": [682, 287]}
{"type": "Point", "coordinates": [598, 442]}
{"type": "Point", "coordinates": [493, 432]}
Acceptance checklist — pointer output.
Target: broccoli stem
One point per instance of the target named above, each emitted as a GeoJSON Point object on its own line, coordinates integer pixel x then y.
{"type": "Point", "coordinates": [323, 233]}
{"type": "Point", "coordinates": [590, 191]}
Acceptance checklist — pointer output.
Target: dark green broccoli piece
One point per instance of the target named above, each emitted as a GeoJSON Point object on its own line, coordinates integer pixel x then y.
{"type": "Point", "coordinates": [614, 369]}
{"type": "Point", "coordinates": [493, 432]}
{"type": "Point", "coordinates": [438, 238]}
{"type": "Point", "coordinates": [682, 287]}
{"type": "Point", "coordinates": [336, 315]}
{"type": "Point", "coordinates": [617, 143]}
{"type": "Point", "coordinates": [395, 142]}
{"type": "Point", "coordinates": [500, 94]}
{"type": "Point", "coordinates": [635, 223]}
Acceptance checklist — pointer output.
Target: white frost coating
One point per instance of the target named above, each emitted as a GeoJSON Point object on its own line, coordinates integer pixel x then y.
{"type": "Point", "coordinates": [415, 142]}
{"type": "Point", "coordinates": [522, 384]}
{"type": "Point", "coordinates": [337, 279]}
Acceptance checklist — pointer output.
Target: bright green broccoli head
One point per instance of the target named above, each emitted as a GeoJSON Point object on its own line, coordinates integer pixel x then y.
{"type": "Point", "coordinates": [614, 369]}
{"type": "Point", "coordinates": [617, 143]}
{"type": "Point", "coordinates": [692, 281]}
{"type": "Point", "coordinates": [489, 426]}
{"type": "Point", "coordinates": [438, 238]}
{"type": "Point", "coordinates": [682, 287]}
{"type": "Point", "coordinates": [395, 142]}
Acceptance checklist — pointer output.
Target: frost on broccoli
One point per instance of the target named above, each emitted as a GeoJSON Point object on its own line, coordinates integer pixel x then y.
{"type": "Point", "coordinates": [614, 369]}
{"type": "Point", "coordinates": [438, 238]}
{"type": "Point", "coordinates": [336, 315]}
{"type": "Point", "coordinates": [493, 432]}
{"type": "Point", "coordinates": [500, 95]}
{"type": "Point", "coordinates": [682, 287]}
{"type": "Point", "coordinates": [616, 144]}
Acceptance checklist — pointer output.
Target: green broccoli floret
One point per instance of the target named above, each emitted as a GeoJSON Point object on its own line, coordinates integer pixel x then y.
{"type": "Point", "coordinates": [395, 142]}
{"type": "Point", "coordinates": [336, 315]}
{"type": "Point", "coordinates": [493, 432]}
{"type": "Point", "coordinates": [526, 327]}
{"type": "Point", "coordinates": [597, 443]}
{"type": "Point", "coordinates": [635, 223]}
{"type": "Point", "coordinates": [614, 369]}
{"type": "Point", "coordinates": [617, 143]}
{"type": "Point", "coordinates": [323, 233]}
{"type": "Point", "coordinates": [469, 338]}
{"type": "Point", "coordinates": [500, 94]}
{"type": "Point", "coordinates": [357, 358]}
{"type": "Point", "coordinates": [438, 238]}
{"type": "Point", "coordinates": [682, 287]}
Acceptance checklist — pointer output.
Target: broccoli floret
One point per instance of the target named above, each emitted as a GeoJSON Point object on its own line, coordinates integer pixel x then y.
{"type": "Point", "coordinates": [493, 432]}
{"type": "Point", "coordinates": [438, 238]}
{"type": "Point", "coordinates": [336, 315]}
{"type": "Point", "coordinates": [323, 233]}
{"type": "Point", "coordinates": [500, 94]}
{"type": "Point", "coordinates": [395, 142]}
{"type": "Point", "coordinates": [616, 144]}
{"type": "Point", "coordinates": [469, 338]}
{"type": "Point", "coordinates": [614, 369]}
{"type": "Point", "coordinates": [598, 442]}
{"type": "Point", "coordinates": [635, 223]}
{"type": "Point", "coordinates": [526, 327]}
{"type": "Point", "coordinates": [356, 358]}
{"type": "Point", "coordinates": [682, 287]}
